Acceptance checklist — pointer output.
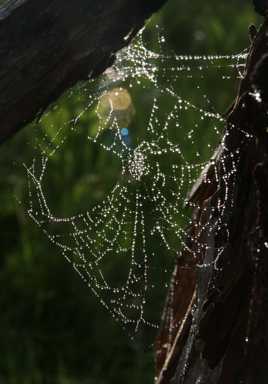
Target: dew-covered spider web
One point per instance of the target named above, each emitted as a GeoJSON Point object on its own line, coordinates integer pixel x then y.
{"type": "Point", "coordinates": [128, 147]}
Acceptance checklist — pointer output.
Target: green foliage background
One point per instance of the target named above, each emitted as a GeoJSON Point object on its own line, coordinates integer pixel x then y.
{"type": "Point", "coordinates": [52, 330]}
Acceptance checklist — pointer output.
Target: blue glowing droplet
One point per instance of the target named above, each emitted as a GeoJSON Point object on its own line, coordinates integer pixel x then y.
{"type": "Point", "coordinates": [124, 132]}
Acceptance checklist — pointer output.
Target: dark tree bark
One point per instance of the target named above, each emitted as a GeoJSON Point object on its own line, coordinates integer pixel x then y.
{"type": "Point", "coordinates": [46, 46]}
{"type": "Point", "coordinates": [215, 323]}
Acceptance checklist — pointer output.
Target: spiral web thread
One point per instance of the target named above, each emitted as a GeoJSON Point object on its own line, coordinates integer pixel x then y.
{"type": "Point", "coordinates": [139, 223]}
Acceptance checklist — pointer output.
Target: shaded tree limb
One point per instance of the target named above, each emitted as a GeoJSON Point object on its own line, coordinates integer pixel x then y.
{"type": "Point", "coordinates": [215, 322]}
{"type": "Point", "coordinates": [47, 46]}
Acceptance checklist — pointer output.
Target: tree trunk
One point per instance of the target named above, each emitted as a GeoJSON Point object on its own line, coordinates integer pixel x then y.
{"type": "Point", "coordinates": [47, 46]}
{"type": "Point", "coordinates": [215, 323]}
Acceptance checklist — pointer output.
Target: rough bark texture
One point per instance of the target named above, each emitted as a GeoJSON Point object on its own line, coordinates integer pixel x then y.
{"type": "Point", "coordinates": [215, 324]}
{"type": "Point", "coordinates": [46, 46]}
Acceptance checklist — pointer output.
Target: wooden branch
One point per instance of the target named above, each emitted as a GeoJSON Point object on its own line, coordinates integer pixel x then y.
{"type": "Point", "coordinates": [47, 46]}
{"type": "Point", "coordinates": [215, 323]}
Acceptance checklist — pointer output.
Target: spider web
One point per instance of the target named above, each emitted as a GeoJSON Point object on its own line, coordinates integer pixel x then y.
{"type": "Point", "coordinates": [124, 245]}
